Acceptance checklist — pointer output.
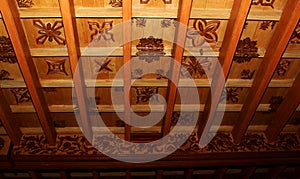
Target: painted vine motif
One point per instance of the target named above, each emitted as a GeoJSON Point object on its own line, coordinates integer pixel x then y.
{"type": "Point", "coordinates": [56, 67]}
{"type": "Point", "coordinates": [150, 49]}
{"type": "Point", "coordinates": [143, 94]}
{"type": "Point", "coordinates": [264, 2]}
{"type": "Point", "coordinates": [25, 3]}
{"type": "Point", "coordinates": [49, 32]}
{"type": "Point", "coordinates": [21, 95]}
{"type": "Point", "coordinates": [101, 30]}
{"type": "Point", "coordinates": [4, 75]}
{"type": "Point", "coordinates": [115, 3]}
{"type": "Point", "coordinates": [203, 31]}
{"type": "Point", "coordinates": [245, 51]}
{"type": "Point", "coordinates": [7, 53]}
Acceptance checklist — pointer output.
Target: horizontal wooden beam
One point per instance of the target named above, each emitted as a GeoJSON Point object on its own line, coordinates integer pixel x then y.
{"type": "Point", "coordinates": [205, 13]}
{"type": "Point", "coordinates": [11, 18]}
{"type": "Point", "coordinates": [279, 41]}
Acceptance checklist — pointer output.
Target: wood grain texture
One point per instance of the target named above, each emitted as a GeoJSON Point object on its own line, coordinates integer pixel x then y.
{"type": "Point", "coordinates": [70, 27]}
{"type": "Point", "coordinates": [127, 14]}
{"type": "Point", "coordinates": [179, 41]}
{"type": "Point", "coordinates": [11, 18]}
{"type": "Point", "coordinates": [233, 32]}
{"type": "Point", "coordinates": [8, 121]}
{"type": "Point", "coordinates": [281, 36]}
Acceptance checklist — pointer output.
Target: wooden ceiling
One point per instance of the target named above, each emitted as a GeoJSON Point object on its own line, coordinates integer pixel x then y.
{"type": "Point", "coordinates": [257, 43]}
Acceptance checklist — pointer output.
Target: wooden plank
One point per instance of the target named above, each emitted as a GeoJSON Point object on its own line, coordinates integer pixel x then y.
{"type": "Point", "coordinates": [8, 121]}
{"type": "Point", "coordinates": [247, 172]}
{"type": "Point", "coordinates": [10, 14]}
{"type": "Point", "coordinates": [281, 36]}
{"type": "Point", "coordinates": [69, 21]}
{"type": "Point", "coordinates": [284, 111]}
{"type": "Point", "coordinates": [184, 11]}
{"type": "Point", "coordinates": [127, 14]}
{"type": "Point", "coordinates": [188, 173]}
{"type": "Point", "coordinates": [233, 32]}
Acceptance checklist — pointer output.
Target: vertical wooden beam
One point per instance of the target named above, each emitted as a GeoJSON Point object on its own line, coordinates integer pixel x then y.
{"type": "Point", "coordinates": [284, 111]}
{"type": "Point", "coordinates": [281, 36]}
{"type": "Point", "coordinates": [233, 32]}
{"type": "Point", "coordinates": [127, 14]}
{"type": "Point", "coordinates": [64, 175]}
{"type": "Point", "coordinates": [72, 39]}
{"type": "Point", "coordinates": [8, 121]}
{"type": "Point", "coordinates": [127, 173]}
{"type": "Point", "coordinates": [159, 174]}
{"type": "Point", "coordinates": [35, 175]}
{"type": "Point", "coordinates": [247, 172]}
{"type": "Point", "coordinates": [180, 36]}
{"type": "Point", "coordinates": [219, 174]}
{"type": "Point", "coordinates": [188, 173]}
{"type": "Point", "coordinates": [14, 28]}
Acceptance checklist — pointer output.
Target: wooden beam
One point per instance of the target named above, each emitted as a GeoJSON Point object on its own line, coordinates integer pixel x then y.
{"type": "Point", "coordinates": [159, 174]}
{"type": "Point", "coordinates": [284, 111]}
{"type": "Point", "coordinates": [247, 172]}
{"type": "Point", "coordinates": [184, 11]}
{"type": "Point", "coordinates": [64, 175]}
{"type": "Point", "coordinates": [8, 121]}
{"type": "Point", "coordinates": [127, 14]}
{"type": "Point", "coordinates": [70, 28]}
{"type": "Point", "coordinates": [14, 28]}
{"type": "Point", "coordinates": [128, 172]}
{"type": "Point", "coordinates": [219, 173]}
{"type": "Point", "coordinates": [233, 32]}
{"type": "Point", "coordinates": [281, 36]}
{"type": "Point", "coordinates": [96, 175]}
{"type": "Point", "coordinates": [35, 175]}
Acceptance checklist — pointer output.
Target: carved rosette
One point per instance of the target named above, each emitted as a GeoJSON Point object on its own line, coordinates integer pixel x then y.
{"type": "Point", "coordinates": [150, 49]}
{"type": "Point", "coordinates": [7, 53]}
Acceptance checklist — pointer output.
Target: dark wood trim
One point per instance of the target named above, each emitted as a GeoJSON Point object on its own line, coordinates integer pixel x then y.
{"type": "Point", "coordinates": [159, 174]}
{"type": "Point", "coordinates": [219, 173]}
{"type": "Point", "coordinates": [247, 172]}
{"type": "Point", "coordinates": [233, 32]}
{"type": "Point", "coordinates": [188, 173]}
{"type": "Point", "coordinates": [183, 16]}
{"type": "Point", "coordinates": [72, 39]}
{"type": "Point", "coordinates": [9, 121]}
{"type": "Point", "coordinates": [276, 171]}
{"type": "Point", "coordinates": [64, 175]}
{"type": "Point", "coordinates": [96, 175]}
{"type": "Point", "coordinates": [35, 175]}
{"type": "Point", "coordinates": [12, 20]}
{"type": "Point", "coordinates": [127, 14]}
{"type": "Point", "coordinates": [284, 111]}
{"type": "Point", "coordinates": [281, 36]}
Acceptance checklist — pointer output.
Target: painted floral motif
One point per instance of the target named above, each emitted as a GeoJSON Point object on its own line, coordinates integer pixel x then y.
{"type": "Point", "coordinates": [203, 31]}
{"type": "Point", "coordinates": [21, 95]}
{"type": "Point", "coordinates": [275, 102]}
{"type": "Point", "coordinates": [232, 94]}
{"type": "Point", "coordinates": [140, 22]}
{"type": "Point", "coordinates": [245, 51]}
{"type": "Point", "coordinates": [115, 3]}
{"type": "Point", "coordinates": [266, 24]}
{"type": "Point", "coordinates": [263, 2]}
{"type": "Point", "coordinates": [282, 67]}
{"type": "Point", "coordinates": [49, 32]}
{"type": "Point", "coordinates": [150, 49]}
{"type": "Point", "coordinates": [104, 66]}
{"type": "Point", "coordinates": [7, 53]}
{"type": "Point", "coordinates": [165, 23]}
{"type": "Point", "coordinates": [247, 74]}
{"type": "Point", "coordinates": [25, 3]}
{"type": "Point", "coordinates": [56, 67]}
{"type": "Point", "coordinates": [4, 75]}
{"type": "Point", "coordinates": [196, 68]}
{"type": "Point", "coordinates": [143, 94]}
{"type": "Point", "coordinates": [295, 38]}
{"type": "Point", "coordinates": [99, 31]}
